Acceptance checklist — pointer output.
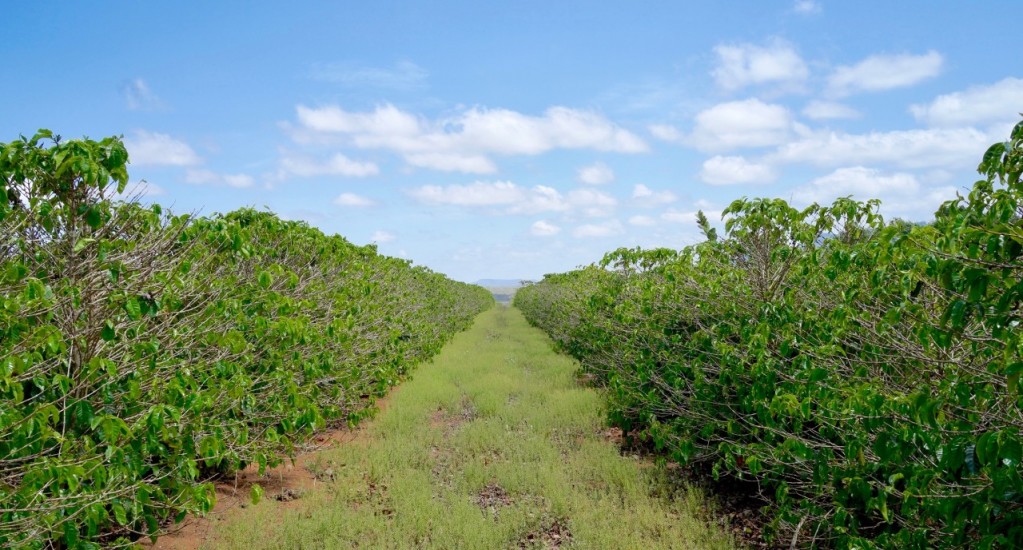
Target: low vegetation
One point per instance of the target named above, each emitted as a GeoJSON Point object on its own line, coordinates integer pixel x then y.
{"type": "Point", "coordinates": [493, 444]}
{"type": "Point", "coordinates": [142, 353]}
{"type": "Point", "coordinates": [866, 374]}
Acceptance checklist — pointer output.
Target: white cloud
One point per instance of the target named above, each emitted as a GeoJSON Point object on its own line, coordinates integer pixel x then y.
{"type": "Point", "coordinates": [641, 191]}
{"type": "Point", "coordinates": [721, 170]}
{"type": "Point", "coordinates": [643, 221]}
{"type": "Point", "coordinates": [209, 177]}
{"type": "Point", "coordinates": [139, 97]}
{"type": "Point", "coordinates": [596, 174]}
{"type": "Point", "coordinates": [138, 191]}
{"type": "Point", "coordinates": [590, 197]}
{"type": "Point", "coordinates": [510, 198]}
{"type": "Point", "coordinates": [480, 193]}
{"type": "Point", "coordinates": [463, 141]}
{"type": "Point", "coordinates": [337, 165]}
{"type": "Point", "coordinates": [678, 216]}
{"type": "Point", "coordinates": [644, 196]}
{"type": "Point", "coordinates": [386, 121]}
{"type": "Point", "coordinates": [591, 202]}
{"type": "Point", "coordinates": [859, 181]}
{"type": "Point", "coordinates": [381, 237]}
{"type": "Point", "coordinates": [744, 64]}
{"type": "Point", "coordinates": [508, 132]}
{"type": "Point", "coordinates": [885, 72]}
{"type": "Point", "coordinates": [665, 132]}
{"type": "Point", "coordinates": [405, 75]}
{"type": "Point", "coordinates": [806, 6]}
{"type": "Point", "coordinates": [606, 229]}
{"type": "Point", "coordinates": [238, 180]}
{"type": "Point", "coordinates": [538, 199]}
{"type": "Point", "coordinates": [825, 110]}
{"type": "Point", "coordinates": [353, 200]}
{"type": "Point", "coordinates": [155, 149]}
{"type": "Point", "coordinates": [543, 228]}
{"type": "Point", "coordinates": [900, 193]}
{"type": "Point", "coordinates": [453, 162]}
{"type": "Point", "coordinates": [738, 124]}
{"type": "Point", "coordinates": [999, 102]}
{"type": "Point", "coordinates": [931, 148]}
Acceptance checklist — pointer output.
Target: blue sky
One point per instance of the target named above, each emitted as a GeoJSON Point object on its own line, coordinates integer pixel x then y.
{"type": "Point", "coordinates": [509, 140]}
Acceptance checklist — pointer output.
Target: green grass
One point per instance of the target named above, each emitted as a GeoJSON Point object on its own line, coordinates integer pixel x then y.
{"type": "Point", "coordinates": [492, 445]}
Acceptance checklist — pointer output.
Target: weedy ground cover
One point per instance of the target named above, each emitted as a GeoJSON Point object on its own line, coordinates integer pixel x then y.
{"type": "Point", "coordinates": [494, 444]}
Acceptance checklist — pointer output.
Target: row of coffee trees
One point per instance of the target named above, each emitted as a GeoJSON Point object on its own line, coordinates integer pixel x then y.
{"type": "Point", "coordinates": [865, 374]}
{"type": "Point", "coordinates": [142, 353]}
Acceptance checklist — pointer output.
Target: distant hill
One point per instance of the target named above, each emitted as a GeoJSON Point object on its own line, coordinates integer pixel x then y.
{"type": "Point", "coordinates": [500, 283]}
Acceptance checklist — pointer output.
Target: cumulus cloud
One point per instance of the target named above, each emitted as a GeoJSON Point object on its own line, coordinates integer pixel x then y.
{"type": "Point", "coordinates": [885, 72]}
{"type": "Point", "coordinates": [453, 162]}
{"type": "Point", "coordinates": [139, 97]}
{"type": "Point", "coordinates": [665, 132]}
{"type": "Point", "coordinates": [998, 102]}
{"type": "Point", "coordinates": [743, 65]}
{"type": "Point", "coordinates": [539, 198]}
{"type": "Point", "coordinates": [596, 174]}
{"type": "Point", "coordinates": [591, 202]}
{"type": "Point", "coordinates": [720, 170]}
{"type": "Point", "coordinates": [900, 193]}
{"type": "Point", "coordinates": [859, 181]}
{"type": "Point", "coordinates": [590, 230]}
{"type": "Point", "coordinates": [642, 221]}
{"type": "Point", "coordinates": [353, 200]}
{"type": "Point", "coordinates": [923, 148]}
{"type": "Point", "coordinates": [463, 142]}
{"type": "Point", "coordinates": [405, 75]}
{"type": "Point", "coordinates": [543, 228]}
{"type": "Point", "coordinates": [139, 191]}
{"type": "Point", "coordinates": [381, 237]}
{"type": "Point", "coordinates": [479, 193]}
{"type": "Point", "coordinates": [825, 110]}
{"type": "Point", "coordinates": [209, 177]}
{"type": "Point", "coordinates": [644, 196]}
{"type": "Point", "coordinates": [739, 124]}
{"type": "Point", "coordinates": [678, 216]}
{"type": "Point", "coordinates": [806, 7]}
{"type": "Point", "coordinates": [385, 122]}
{"type": "Point", "coordinates": [155, 149]}
{"type": "Point", "coordinates": [337, 165]}
{"type": "Point", "coordinates": [509, 198]}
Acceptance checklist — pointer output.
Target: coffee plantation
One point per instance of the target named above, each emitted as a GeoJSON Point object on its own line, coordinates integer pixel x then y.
{"type": "Point", "coordinates": [864, 373]}
{"type": "Point", "coordinates": [144, 353]}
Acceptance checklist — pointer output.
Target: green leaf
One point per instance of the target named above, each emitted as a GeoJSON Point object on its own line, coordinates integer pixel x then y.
{"type": "Point", "coordinates": [71, 536]}
{"type": "Point", "coordinates": [93, 217]}
{"type": "Point", "coordinates": [1010, 449]}
{"type": "Point", "coordinates": [987, 448]}
{"type": "Point", "coordinates": [264, 279]}
{"type": "Point", "coordinates": [120, 514]}
{"type": "Point", "coordinates": [83, 413]}
{"type": "Point", "coordinates": [133, 308]}
{"type": "Point", "coordinates": [109, 331]}
{"type": "Point", "coordinates": [62, 382]}
{"type": "Point", "coordinates": [256, 493]}
{"type": "Point", "coordinates": [81, 244]}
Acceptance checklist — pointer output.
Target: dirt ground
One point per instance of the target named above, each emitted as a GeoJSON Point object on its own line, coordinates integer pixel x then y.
{"type": "Point", "coordinates": [282, 486]}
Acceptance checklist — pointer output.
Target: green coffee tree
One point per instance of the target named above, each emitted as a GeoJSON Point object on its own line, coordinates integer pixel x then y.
{"type": "Point", "coordinates": [865, 374]}
{"type": "Point", "coordinates": [143, 353]}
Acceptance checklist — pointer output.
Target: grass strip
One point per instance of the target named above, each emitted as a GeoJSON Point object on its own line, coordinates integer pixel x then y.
{"type": "Point", "coordinates": [494, 444]}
